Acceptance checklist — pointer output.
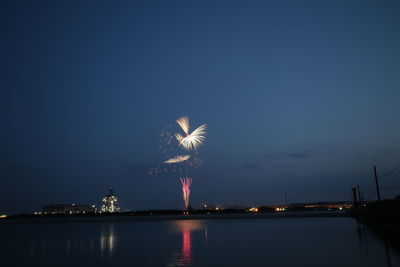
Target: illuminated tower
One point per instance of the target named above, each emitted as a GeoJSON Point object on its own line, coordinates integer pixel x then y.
{"type": "Point", "coordinates": [110, 202]}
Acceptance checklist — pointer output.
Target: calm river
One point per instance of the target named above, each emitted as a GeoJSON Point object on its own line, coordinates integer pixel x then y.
{"type": "Point", "coordinates": [244, 242]}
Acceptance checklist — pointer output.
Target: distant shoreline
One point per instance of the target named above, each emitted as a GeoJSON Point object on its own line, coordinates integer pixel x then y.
{"type": "Point", "coordinates": [133, 217]}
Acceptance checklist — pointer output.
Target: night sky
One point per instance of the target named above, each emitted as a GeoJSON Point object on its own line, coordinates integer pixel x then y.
{"type": "Point", "coordinates": [298, 96]}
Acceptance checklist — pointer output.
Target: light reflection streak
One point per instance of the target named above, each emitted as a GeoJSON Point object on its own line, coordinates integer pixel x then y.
{"type": "Point", "coordinates": [186, 246]}
{"type": "Point", "coordinates": [185, 227]}
{"type": "Point", "coordinates": [108, 240]}
{"type": "Point", "coordinates": [206, 235]}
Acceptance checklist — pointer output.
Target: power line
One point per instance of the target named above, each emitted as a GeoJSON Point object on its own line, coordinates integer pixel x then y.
{"type": "Point", "coordinates": [390, 187]}
{"type": "Point", "coordinates": [389, 172]}
{"type": "Point", "coordinates": [369, 188]}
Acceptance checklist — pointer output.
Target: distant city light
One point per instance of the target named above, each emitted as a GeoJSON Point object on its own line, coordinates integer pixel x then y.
{"type": "Point", "coordinates": [253, 209]}
{"type": "Point", "coordinates": [280, 209]}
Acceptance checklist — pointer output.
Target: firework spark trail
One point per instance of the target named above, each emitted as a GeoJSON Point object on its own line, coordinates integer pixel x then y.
{"type": "Point", "coordinates": [186, 183]}
{"type": "Point", "coordinates": [177, 159]}
{"type": "Point", "coordinates": [193, 163]}
{"type": "Point", "coordinates": [191, 140]}
{"type": "Point", "coordinates": [184, 123]}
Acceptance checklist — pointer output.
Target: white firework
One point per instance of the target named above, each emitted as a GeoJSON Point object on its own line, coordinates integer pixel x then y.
{"type": "Point", "coordinates": [191, 140]}
{"type": "Point", "coordinates": [184, 123]}
{"type": "Point", "coordinates": [177, 159]}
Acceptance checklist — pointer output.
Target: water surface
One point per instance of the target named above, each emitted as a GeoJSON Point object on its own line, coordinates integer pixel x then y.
{"type": "Point", "coordinates": [245, 242]}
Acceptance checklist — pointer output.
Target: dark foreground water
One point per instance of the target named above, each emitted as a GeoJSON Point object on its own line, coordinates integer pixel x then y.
{"type": "Point", "coordinates": [246, 242]}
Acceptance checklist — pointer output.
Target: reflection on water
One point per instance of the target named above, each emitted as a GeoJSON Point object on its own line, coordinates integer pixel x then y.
{"type": "Point", "coordinates": [362, 234]}
{"type": "Point", "coordinates": [186, 246]}
{"type": "Point", "coordinates": [327, 242]}
{"type": "Point", "coordinates": [108, 240]}
{"type": "Point", "coordinates": [47, 242]}
{"type": "Point", "coordinates": [185, 227]}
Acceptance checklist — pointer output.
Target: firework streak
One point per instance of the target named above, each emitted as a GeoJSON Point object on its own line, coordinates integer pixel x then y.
{"type": "Point", "coordinates": [186, 183]}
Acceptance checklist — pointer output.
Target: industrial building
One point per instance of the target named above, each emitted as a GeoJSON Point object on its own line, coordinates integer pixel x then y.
{"type": "Point", "coordinates": [68, 209]}
{"type": "Point", "coordinates": [110, 202]}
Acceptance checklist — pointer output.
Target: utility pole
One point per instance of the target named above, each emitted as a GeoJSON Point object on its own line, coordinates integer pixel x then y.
{"type": "Point", "coordinates": [355, 202]}
{"type": "Point", "coordinates": [377, 185]}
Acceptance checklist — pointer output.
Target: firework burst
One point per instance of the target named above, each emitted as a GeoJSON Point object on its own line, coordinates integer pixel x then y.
{"type": "Point", "coordinates": [186, 183]}
{"type": "Point", "coordinates": [177, 159]}
{"type": "Point", "coordinates": [193, 140]}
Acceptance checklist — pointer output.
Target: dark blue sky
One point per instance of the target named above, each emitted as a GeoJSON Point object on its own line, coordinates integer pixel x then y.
{"type": "Point", "coordinates": [298, 96]}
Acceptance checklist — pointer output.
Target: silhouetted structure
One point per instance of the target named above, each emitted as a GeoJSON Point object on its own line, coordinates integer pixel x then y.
{"type": "Point", "coordinates": [355, 200]}
{"type": "Point", "coordinates": [377, 184]}
{"type": "Point", "coordinates": [110, 202]}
